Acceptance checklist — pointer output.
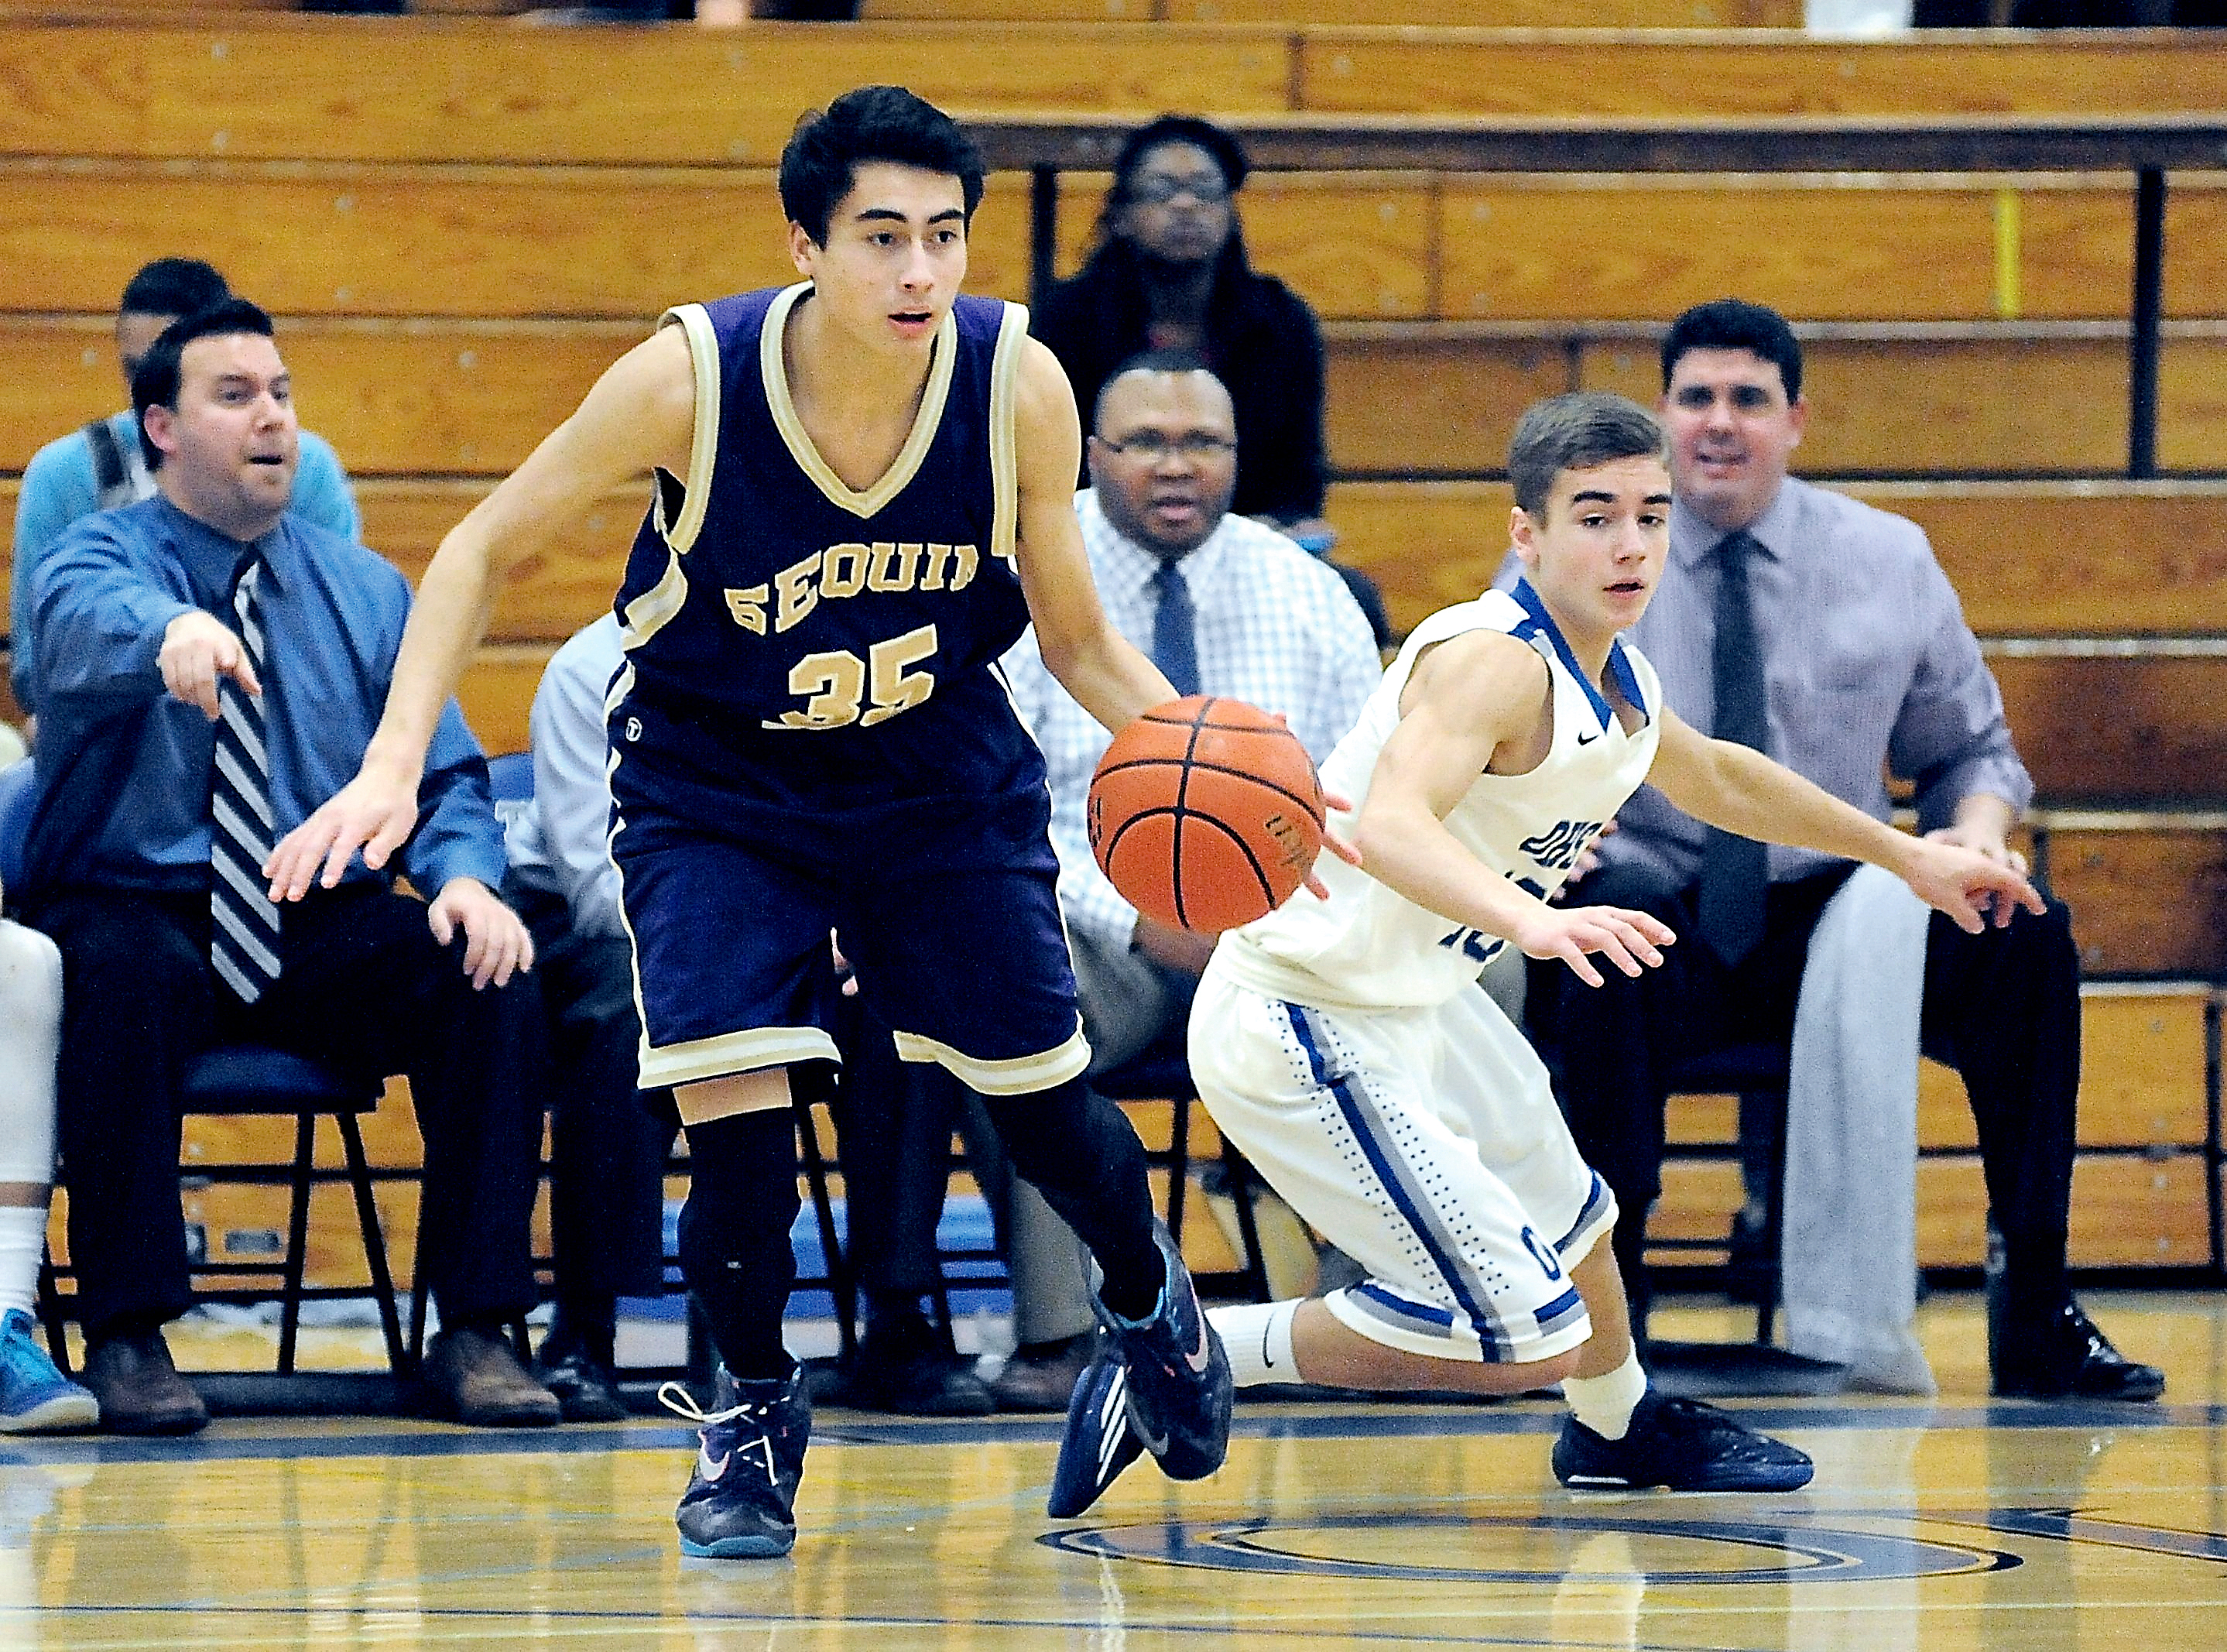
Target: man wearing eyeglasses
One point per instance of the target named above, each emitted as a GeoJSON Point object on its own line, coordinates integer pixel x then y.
{"type": "Point", "coordinates": [1224, 606]}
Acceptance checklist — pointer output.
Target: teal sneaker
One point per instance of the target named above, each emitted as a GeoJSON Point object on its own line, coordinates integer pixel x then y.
{"type": "Point", "coordinates": [35, 1398]}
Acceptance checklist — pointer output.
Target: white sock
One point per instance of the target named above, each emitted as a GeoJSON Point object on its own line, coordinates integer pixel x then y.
{"type": "Point", "coordinates": [22, 1241]}
{"type": "Point", "coordinates": [1258, 1338]}
{"type": "Point", "coordinates": [1604, 1403]}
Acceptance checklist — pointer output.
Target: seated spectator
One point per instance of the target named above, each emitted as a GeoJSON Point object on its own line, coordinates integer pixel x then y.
{"type": "Point", "coordinates": [608, 1140]}
{"type": "Point", "coordinates": [214, 664]}
{"type": "Point", "coordinates": [100, 467]}
{"type": "Point", "coordinates": [34, 1397]}
{"type": "Point", "coordinates": [1169, 272]}
{"type": "Point", "coordinates": [1224, 606]}
{"type": "Point", "coordinates": [1821, 631]}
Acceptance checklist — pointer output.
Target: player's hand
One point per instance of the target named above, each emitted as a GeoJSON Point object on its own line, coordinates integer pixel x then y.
{"type": "Point", "coordinates": [1333, 804]}
{"type": "Point", "coordinates": [1630, 940]}
{"type": "Point", "coordinates": [1588, 860]}
{"type": "Point", "coordinates": [376, 811]}
{"type": "Point", "coordinates": [1969, 884]}
{"type": "Point", "coordinates": [1176, 949]}
{"type": "Point", "coordinates": [843, 969]}
{"type": "Point", "coordinates": [496, 942]}
{"type": "Point", "coordinates": [197, 649]}
{"type": "Point", "coordinates": [1981, 841]}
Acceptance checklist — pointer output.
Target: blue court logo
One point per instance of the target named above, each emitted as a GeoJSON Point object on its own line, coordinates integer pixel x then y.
{"type": "Point", "coordinates": [1778, 1549]}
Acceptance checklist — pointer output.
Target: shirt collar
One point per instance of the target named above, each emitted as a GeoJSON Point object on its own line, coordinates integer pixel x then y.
{"type": "Point", "coordinates": [1619, 666]}
{"type": "Point", "coordinates": [217, 555]}
{"type": "Point", "coordinates": [1692, 539]}
{"type": "Point", "coordinates": [1130, 566]}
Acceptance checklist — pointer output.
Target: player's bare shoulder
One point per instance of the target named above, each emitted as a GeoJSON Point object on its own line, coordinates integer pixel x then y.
{"type": "Point", "coordinates": [1482, 674]}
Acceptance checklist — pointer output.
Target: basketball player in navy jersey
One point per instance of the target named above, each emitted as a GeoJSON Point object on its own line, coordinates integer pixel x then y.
{"type": "Point", "coordinates": [863, 490]}
{"type": "Point", "coordinates": [1346, 1047]}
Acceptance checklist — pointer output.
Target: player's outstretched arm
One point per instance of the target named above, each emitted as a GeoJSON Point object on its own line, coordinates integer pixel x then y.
{"type": "Point", "coordinates": [1109, 676]}
{"type": "Point", "coordinates": [641, 413]}
{"type": "Point", "coordinates": [1468, 699]}
{"type": "Point", "coordinates": [1738, 789]}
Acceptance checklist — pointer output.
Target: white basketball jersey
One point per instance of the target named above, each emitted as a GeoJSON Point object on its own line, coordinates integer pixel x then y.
{"type": "Point", "coordinates": [1369, 948]}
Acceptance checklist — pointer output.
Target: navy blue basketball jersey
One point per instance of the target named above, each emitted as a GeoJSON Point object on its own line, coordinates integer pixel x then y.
{"type": "Point", "coordinates": [814, 647]}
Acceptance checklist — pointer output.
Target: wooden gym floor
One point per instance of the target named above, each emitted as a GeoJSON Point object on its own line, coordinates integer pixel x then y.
{"type": "Point", "coordinates": [1953, 1525]}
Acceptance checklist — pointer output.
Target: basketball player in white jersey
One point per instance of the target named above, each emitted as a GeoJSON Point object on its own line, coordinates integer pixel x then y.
{"type": "Point", "coordinates": [1346, 1048]}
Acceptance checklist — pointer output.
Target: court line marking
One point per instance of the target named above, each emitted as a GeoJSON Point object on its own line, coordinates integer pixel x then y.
{"type": "Point", "coordinates": [448, 1440]}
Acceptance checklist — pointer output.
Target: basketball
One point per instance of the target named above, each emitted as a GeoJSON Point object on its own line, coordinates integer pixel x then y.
{"type": "Point", "coordinates": [1205, 813]}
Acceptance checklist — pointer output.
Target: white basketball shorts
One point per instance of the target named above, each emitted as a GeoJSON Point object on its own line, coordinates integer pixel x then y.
{"type": "Point", "coordinates": [1425, 1144]}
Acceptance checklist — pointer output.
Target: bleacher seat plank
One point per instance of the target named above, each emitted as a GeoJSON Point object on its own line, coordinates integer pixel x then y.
{"type": "Point", "coordinates": [1494, 14]}
{"type": "Point", "coordinates": [2148, 894]}
{"type": "Point", "coordinates": [497, 692]}
{"type": "Point", "coordinates": [1351, 244]}
{"type": "Point", "coordinates": [418, 241]}
{"type": "Point", "coordinates": [1758, 72]}
{"type": "Point", "coordinates": [2192, 399]}
{"type": "Point", "coordinates": [1398, 404]}
{"type": "Point", "coordinates": [1917, 408]}
{"type": "Point", "coordinates": [2118, 729]}
{"type": "Point", "coordinates": [1427, 545]}
{"type": "Point", "coordinates": [2127, 1211]}
{"type": "Point", "coordinates": [2073, 558]}
{"type": "Point", "coordinates": [545, 599]}
{"type": "Point", "coordinates": [2142, 1079]}
{"type": "Point", "coordinates": [295, 88]}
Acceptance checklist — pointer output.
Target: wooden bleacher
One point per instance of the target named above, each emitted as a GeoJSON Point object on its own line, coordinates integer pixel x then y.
{"type": "Point", "coordinates": [459, 222]}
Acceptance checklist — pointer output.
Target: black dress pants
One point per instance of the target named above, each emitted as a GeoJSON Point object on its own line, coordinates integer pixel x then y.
{"type": "Point", "coordinates": [2001, 1007]}
{"type": "Point", "coordinates": [364, 987]}
{"type": "Point", "coordinates": [608, 1140]}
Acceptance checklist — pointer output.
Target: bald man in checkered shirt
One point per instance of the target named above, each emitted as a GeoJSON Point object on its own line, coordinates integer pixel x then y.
{"type": "Point", "coordinates": [1267, 623]}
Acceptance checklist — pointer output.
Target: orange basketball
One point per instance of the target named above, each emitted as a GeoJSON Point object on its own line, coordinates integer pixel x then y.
{"type": "Point", "coordinates": [1205, 813]}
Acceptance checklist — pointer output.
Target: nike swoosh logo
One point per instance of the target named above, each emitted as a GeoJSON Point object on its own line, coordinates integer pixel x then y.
{"type": "Point", "coordinates": [1588, 739]}
{"type": "Point", "coordinates": [705, 1464]}
{"type": "Point", "coordinates": [1266, 1358]}
{"type": "Point", "coordinates": [1196, 1357]}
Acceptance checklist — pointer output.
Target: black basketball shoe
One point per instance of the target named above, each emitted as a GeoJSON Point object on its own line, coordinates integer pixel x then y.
{"type": "Point", "coordinates": [1681, 1445]}
{"type": "Point", "coordinates": [750, 1455]}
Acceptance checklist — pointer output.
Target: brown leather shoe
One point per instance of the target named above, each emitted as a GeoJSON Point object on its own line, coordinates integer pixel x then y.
{"type": "Point", "coordinates": [477, 1378]}
{"type": "Point", "coordinates": [1042, 1377]}
{"type": "Point", "coordinates": [139, 1389]}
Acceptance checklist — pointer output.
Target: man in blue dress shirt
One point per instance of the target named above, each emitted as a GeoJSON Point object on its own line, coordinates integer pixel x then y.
{"type": "Point", "coordinates": [213, 664]}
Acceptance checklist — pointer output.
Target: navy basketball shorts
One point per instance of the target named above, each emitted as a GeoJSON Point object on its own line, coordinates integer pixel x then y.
{"type": "Point", "coordinates": [967, 964]}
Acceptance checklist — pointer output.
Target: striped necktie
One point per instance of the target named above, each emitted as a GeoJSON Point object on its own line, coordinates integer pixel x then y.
{"type": "Point", "coordinates": [1175, 629]}
{"type": "Point", "coordinates": [243, 939]}
{"type": "Point", "coordinates": [1736, 870]}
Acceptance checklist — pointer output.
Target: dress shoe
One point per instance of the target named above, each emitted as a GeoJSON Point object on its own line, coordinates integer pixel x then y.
{"type": "Point", "coordinates": [139, 1390]}
{"type": "Point", "coordinates": [585, 1389]}
{"type": "Point", "coordinates": [907, 1365]}
{"type": "Point", "coordinates": [1042, 1376]}
{"type": "Point", "coordinates": [476, 1379]}
{"type": "Point", "coordinates": [2064, 1356]}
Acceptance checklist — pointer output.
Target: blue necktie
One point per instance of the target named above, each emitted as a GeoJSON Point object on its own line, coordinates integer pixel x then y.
{"type": "Point", "coordinates": [1175, 629]}
{"type": "Point", "coordinates": [243, 939]}
{"type": "Point", "coordinates": [1736, 870]}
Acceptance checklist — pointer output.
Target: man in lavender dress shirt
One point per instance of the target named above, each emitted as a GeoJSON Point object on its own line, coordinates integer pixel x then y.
{"type": "Point", "coordinates": [1866, 666]}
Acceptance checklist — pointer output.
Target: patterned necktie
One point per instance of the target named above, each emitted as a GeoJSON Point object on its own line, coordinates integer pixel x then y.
{"type": "Point", "coordinates": [1175, 629]}
{"type": "Point", "coordinates": [1736, 870]}
{"type": "Point", "coordinates": [243, 939]}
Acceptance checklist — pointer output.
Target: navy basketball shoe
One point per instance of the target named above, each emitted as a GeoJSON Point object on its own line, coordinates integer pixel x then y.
{"type": "Point", "coordinates": [1099, 1442]}
{"type": "Point", "coordinates": [740, 1498]}
{"type": "Point", "coordinates": [1176, 1391]}
{"type": "Point", "coordinates": [1681, 1445]}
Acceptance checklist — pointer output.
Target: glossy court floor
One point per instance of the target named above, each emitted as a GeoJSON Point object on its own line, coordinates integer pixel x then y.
{"type": "Point", "coordinates": [1954, 1524]}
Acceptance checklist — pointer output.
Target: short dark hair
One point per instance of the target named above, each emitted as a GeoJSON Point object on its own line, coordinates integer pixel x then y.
{"type": "Point", "coordinates": [1735, 324]}
{"type": "Point", "coordinates": [871, 123]}
{"type": "Point", "coordinates": [1575, 432]}
{"type": "Point", "coordinates": [1227, 152]}
{"type": "Point", "coordinates": [1165, 360]}
{"type": "Point", "coordinates": [173, 287]}
{"type": "Point", "coordinates": [155, 384]}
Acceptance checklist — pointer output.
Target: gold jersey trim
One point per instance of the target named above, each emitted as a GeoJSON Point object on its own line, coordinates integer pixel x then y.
{"type": "Point", "coordinates": [704, 449]}
{"type": "Point", "coordinates": [894, 480]}
{"type": "Point", "coordinates": [731, 1053]}
{"type": "Point", "coordinates": [1004, 468]}
{"type": "Point", "coordinates": [1020, 1076]}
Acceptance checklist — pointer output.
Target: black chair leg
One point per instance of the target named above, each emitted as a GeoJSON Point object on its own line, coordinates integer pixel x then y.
{"type": "Point", "coordinates": [52, 1316]}
{"type": "Point", "coordinates": [375, 1244]}
{"type": "Point", "coordinates": [1253, 1267]}
{"type": "Point", "coordinates": [297, 1239]}
{"type": "Point", "coordinates": [1178, 1161]}
{"type": "Point", "coordinates": [842, 1286]}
